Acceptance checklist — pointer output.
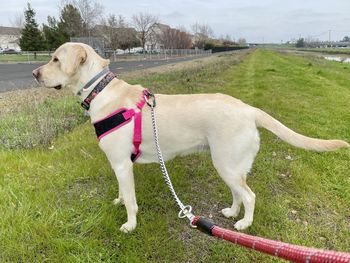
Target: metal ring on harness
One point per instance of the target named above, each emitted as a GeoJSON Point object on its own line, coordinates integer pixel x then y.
{"type": "Point", "coordinates": [149, 95]}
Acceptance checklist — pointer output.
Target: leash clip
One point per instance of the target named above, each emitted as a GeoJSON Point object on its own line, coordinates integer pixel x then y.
{"type": "Point", "coordinates": [187, 212]}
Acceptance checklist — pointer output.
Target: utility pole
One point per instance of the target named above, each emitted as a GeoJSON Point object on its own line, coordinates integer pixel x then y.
{"type": "Point", "coordinates": [329, 35]}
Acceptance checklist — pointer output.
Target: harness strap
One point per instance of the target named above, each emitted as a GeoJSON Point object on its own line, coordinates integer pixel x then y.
{"type": "Point", "coordinates": [119, 118]}
{"type": "Point", "coordinates": [112, 122]}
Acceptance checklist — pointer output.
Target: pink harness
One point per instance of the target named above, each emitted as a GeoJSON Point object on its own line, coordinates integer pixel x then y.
{"type": "Point", "coordinates": [119, 118]}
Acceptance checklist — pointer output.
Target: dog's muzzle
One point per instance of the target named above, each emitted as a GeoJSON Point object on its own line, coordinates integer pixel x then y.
{"type": "Point", "coordinates": [36, 74]}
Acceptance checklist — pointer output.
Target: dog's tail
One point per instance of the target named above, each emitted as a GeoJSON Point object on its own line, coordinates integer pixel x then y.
{"type": "Point", "coordinates": [264, 120]}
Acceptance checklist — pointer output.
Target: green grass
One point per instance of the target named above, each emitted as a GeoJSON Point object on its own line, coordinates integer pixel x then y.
{"type": "Point", "coordinates": [39, 123]}
{"type": "Point", "coordinates": [23, 58]}
{"type": "Point", "coordinates": [56, 204]}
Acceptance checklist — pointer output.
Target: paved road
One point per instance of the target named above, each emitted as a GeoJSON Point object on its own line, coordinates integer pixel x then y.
{"type": "Point", "coordinates": [19, 76]}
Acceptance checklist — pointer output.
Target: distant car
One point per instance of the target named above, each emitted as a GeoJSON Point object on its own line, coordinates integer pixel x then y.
{"type": "Point", "coordinates": [10, 51]}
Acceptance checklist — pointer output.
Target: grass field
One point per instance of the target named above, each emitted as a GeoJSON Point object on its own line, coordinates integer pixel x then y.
{"type": "Point", "coordinates": [23, 58]}
{"type": "Point", "coordinates": [56, 197]}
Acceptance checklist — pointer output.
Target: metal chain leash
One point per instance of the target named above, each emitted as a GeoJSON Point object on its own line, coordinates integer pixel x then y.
{"type": "Point", "coordinates": [185, 210]}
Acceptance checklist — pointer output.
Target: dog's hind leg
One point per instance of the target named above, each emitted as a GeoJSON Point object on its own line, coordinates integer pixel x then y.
{"type": "Point", "coordinates": [233, 211]}
{"type": "Point", "coordinates": [248, 198]}
{"type": "Point", "coordinates": [233, 159]}
{"type": "Point", "coordinates": [236, 181]}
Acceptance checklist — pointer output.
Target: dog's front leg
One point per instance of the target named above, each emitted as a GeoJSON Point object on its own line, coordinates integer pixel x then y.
{"type": "Point", "coordinates": [125, 176]}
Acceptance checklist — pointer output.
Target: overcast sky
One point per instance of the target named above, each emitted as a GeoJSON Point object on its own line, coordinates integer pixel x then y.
{"type": "Point", "coordinates": [255, 20]}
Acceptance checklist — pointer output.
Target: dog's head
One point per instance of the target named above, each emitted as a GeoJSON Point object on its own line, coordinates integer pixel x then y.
{"type": "Point", "coordinates": [71, 64]}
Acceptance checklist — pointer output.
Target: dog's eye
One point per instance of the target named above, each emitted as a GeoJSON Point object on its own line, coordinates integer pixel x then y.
{"type": "Point", "coordinates": [55, 59]}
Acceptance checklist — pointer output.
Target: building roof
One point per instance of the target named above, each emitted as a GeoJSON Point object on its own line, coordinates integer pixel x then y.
{"type": "Point", "coordinates": [162, 27]}
{"type": "Point", "coordinates": [4, 30]}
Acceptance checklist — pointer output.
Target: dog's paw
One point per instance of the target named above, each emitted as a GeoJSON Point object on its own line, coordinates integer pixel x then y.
{"type": "Point", "coordinates": [127, 227]}
{"type": "Point", "coordinates": [230, 212]}
{"type": "Point", "coordinates": [118, 201]}
{"type": "Point", "coordinates": [242, 224]}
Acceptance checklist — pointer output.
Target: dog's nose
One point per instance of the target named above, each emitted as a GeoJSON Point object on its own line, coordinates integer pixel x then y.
{"type": "Point", "coordinates": [36, 73]}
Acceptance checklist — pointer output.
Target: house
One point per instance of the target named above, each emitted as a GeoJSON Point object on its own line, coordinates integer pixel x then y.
{"type": "Point", "coordinates": [154, 40]}
{"type": "Point", "coordinates": [97, 43]}
{"type": "Point", "coordinates": [9, 37]}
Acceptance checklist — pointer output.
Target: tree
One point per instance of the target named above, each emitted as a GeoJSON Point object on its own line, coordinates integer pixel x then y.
{"type": "Point", "coordinates": [346, 39]}
{"type": "Point", "coordinates": [71, 21]}
{"type": "Point", "coordinates": [202, 34]}
{"type": "Point", "coordinates": [111, 30]}
{"type": "Point", "coordinates": [31, 37]}
{"type": "Point", "coordinates": [116, 33]}
{"type": "Point", "coordinates": [54, 33]}
{"type": "Point", "coordinates": [144, 24]}
{"type": "Point", "coordinates": [184, 40]}
{"type": "Point", "coordinates": [175, 39]}
{"type": "Point", "coordinates": [300, 43]}
{"type": "Point", "coordinates": [17, 20]}
{"type": "Point", "coordinates": [128, 38]}
{"type": "Point", "coordinates": [89, 11]}
{"type": "Point", "coordinates": [242, 42]}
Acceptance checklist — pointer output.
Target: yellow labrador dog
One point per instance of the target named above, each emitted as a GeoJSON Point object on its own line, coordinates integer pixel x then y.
{"type": "Point", "coordinates": [187, 123]}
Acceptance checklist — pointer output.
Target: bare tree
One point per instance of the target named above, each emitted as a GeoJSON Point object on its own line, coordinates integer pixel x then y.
{"type": "Point", "coordinates": [168, 38]}
{"type": "Point", "coordinates": [227, 41]}
{"type": "Point", "coordinates": [144, 24]}
{"type": "Point", "coordinates": [202, 34]}
{"type": "Point", "coordinates": [176, 39]}
{"type": "Point", "coordinates": [90, 11]}
{"type": "Point", "coordinates": [128, 38]}
{"type": "Point", "coordinates": [185, 40]}
{"type": "Point", "coordinates": [242, 42]}
{"type": "Point", "coordinates": [110, 29]}
{"type": "Point", "coordinates": [17, 20]}
{"type": "Point", "coordinates": [117, 33]}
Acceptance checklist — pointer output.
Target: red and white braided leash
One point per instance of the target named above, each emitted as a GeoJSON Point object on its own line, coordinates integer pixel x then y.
{"type": "Point", "coordinates": [275, 248]}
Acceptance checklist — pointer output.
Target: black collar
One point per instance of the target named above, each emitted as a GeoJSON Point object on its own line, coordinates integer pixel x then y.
{"type": "Point", "coordinates": [98, 88]}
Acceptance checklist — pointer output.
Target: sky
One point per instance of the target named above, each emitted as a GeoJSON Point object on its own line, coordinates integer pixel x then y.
{"type": "Point", "coordinates": [261, 21]}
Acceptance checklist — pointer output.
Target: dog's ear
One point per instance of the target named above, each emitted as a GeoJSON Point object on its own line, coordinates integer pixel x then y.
{"type": "Point", "coordinates": [75, 56]}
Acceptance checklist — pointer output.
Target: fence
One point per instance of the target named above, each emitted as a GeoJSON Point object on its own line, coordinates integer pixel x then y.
{"type": "Point", "coordinates": [155, 54]}
{"type": "Point", "coordinates": [162, 54]}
